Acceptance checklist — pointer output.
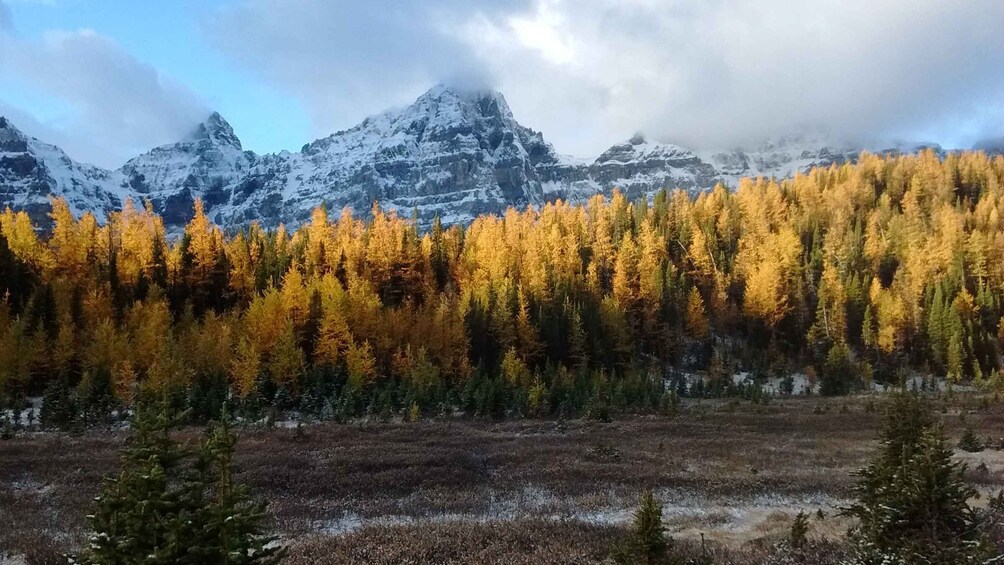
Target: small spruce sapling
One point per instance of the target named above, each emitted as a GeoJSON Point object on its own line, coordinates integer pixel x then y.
{"type": "Point", "coordinates": [647, 543]}
{"type": "Point", "coordinates": [969, 442]}
{"type": "Point", "coordinates": [798, 536]}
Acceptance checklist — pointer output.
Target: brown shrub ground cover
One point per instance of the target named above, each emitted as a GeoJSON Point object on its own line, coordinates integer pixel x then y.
{"type": "Point", "coordinates": [509, 492]}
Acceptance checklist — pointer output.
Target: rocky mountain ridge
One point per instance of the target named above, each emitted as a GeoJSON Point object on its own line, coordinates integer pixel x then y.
{"type": "Point", "coordinates": [452, 153]}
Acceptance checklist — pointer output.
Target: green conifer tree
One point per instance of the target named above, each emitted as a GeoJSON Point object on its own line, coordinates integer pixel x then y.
{"type": "Point", "coordinates": [59, 406]}
{"type": "Point", "coordinates": [912, 502]}
{"type": "Point", "coordinates": [231, 521]}
{"type": "Point", "coordinates": [171, 505]}
{"type": "Point", "coordinates": [143, 515]}
{"type": "Point", "coordinates": [647, 542]}
{"type": "Point", "coordinates": [936, 326]}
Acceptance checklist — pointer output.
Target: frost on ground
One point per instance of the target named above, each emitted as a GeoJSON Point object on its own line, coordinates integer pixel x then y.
{"type": "Point", "coordinates": [26, 417]}
{"type": "Point", "coordinates": [688, 515]}
{"type": "Point", "coordinates": [733, 471]}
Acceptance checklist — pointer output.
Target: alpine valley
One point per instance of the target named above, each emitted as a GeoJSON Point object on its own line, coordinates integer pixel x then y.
{"type": "Point", "coordinates": [454, 154]}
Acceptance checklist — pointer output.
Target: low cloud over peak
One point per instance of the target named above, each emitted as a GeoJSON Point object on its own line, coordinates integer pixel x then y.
{"type": "Point", "coordinates": [116, 105]}
{"type": "Point", "coordinates": [704, 74]}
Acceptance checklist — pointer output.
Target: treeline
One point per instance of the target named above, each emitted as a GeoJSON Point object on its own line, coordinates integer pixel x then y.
{"type": "Point", "coordinates": [847, 274]}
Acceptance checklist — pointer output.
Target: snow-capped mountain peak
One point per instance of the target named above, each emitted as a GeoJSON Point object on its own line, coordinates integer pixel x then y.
{"type": "Point", "coordinates": [207, 164]}
{"type": "Point", "coordinates": [453, 153]}
{"type": "Point", "coordinates": [639, 148]}
{"type": "Point", "coordinates": [216, 130]}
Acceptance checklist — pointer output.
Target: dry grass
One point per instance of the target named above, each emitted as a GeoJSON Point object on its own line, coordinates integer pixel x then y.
{"type": "Point", "coordinates": [532, 490]}
{"type": "Point", "coordinates": [517, 542]}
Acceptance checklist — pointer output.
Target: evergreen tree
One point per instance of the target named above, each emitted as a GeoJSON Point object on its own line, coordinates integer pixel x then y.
{"type": "Point", "coordinates": [171, 505]}
{"type": "Point", "coordinates": [936, 326]}
{"type": "Point", "coordinates": [59, 406]}
{"type": "Point", "coordinates": [143, 516]}
{"type": "Point", "coordinates": [231, 522]}
{"type": "Point", "coordinates": [798, 536]}
{"type": "Point", "coordinates": [647, 542]}
{"type": "Point", "coordinates": [839, 373]}
{"type": "Point", "coordinates": [912, 505]}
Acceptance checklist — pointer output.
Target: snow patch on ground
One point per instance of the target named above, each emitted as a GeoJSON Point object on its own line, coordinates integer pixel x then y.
{"type": "Point", "coordinates": [683, 512]}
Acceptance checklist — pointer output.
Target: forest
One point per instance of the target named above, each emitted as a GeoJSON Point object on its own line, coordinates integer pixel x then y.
{"type": "Point", "coordinates": [851, 275]}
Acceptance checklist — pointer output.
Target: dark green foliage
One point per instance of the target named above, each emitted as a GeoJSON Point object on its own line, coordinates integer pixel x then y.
{"type": "Point", "coordinates": [94, 396]}
{"type": "Point", "coordinates": [798, 536]}
{"type": "Point", "coordinates": [647, 542]}
{"type": "Point", "coordinates": [143, 515]}
{"type": "Point", "coordinates": [40, 312]}
{"type": "Point", "coordinates": [59, 405]}
{"type": "Point", "coordinates": [231, 521]}
{"type": "Point", "coordinates": [912, 500]}
{"type": "Point", "coordinates": [969, 442]}
{"type": "Point", "coordinates": [992, 522]}
{"type": "Point", "coordinates": [172, 504]}
{"type": "Point", "coordinates": [839, 374]}
{"type": "Point", "coordinates": [207, 396]}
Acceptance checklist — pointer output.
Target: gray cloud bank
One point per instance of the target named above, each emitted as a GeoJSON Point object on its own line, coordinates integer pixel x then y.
{"type": "Point", "coordinates": [704, 73]}
{"type": "Point", "coordinates": [708, 74]}
{"type": "Point", "coordinates": [118, 106]}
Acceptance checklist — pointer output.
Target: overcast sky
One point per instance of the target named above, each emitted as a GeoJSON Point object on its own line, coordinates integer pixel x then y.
{"type": "Point", "coordinates": [108, 79]}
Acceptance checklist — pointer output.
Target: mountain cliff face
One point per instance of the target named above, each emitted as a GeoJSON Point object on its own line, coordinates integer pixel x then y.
{"type": "Point", "coordinates": [206, 165]}
{"type": "Point", "coordinates": [31, 171]}
{"type": "Point", "coordinates": [452, 153]}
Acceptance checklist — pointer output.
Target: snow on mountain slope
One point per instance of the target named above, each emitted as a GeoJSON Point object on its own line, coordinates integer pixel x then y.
{"type": "Point", "coordinates": [207, 164]}
{"type": "Point", "coordinates": [31, 171]}
{"type": "Point", "coordinates": [452, 153]}
{"type": "Point", "coordinates": [781, 158]}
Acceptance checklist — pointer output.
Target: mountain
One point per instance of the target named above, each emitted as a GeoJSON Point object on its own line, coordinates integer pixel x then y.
{"type": "Point", "coordinates": [31, 171]}
{"type": "Point", "coordinates": [207, 164]}
{"type": "Point", "coordinates": [993, 146]}
{"type": "Point", "coordinates": [780, 158]}
{"type": "Point", "coordinates": [636, 167]}
{"type": "Point", "coordinates": [453, 153]}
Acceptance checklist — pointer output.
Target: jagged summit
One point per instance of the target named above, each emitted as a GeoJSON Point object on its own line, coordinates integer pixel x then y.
{"type": "Point", "coordinates": [216, 130]}
{"type": "Point", "coordinates": [451, 152]}
{"type": "Point", "coordinates": [440, 111]}
{"type": "Point", "coordinates": [11, 138]}
{"type": "Point", "coordinates": [207, 164]}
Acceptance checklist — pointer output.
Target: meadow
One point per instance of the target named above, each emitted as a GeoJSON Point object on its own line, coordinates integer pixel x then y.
{"type": "Point", "coordinates": [531, 491]}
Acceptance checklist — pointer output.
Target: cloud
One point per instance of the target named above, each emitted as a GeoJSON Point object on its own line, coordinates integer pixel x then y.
{"type": "Point", "coordinates": [6, 20]}
{"type": "Point", "coordinates": [117, 105]}
{"type": "Point", "coordinates": [348, 59]}
{"type": "Point", "coordinates": [705, 73]}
